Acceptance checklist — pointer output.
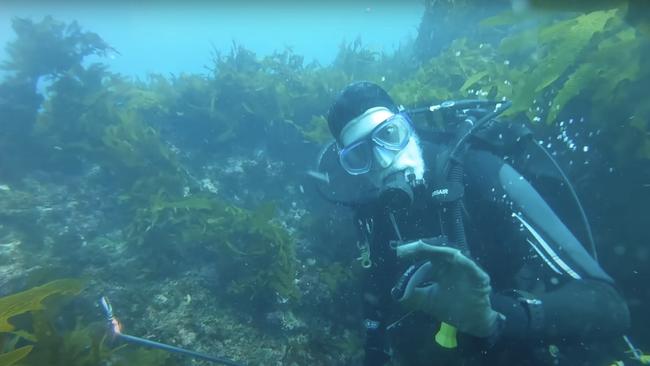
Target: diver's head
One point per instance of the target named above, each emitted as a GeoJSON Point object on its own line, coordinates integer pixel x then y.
{"type": "Point", "coordinates": [373, 137]}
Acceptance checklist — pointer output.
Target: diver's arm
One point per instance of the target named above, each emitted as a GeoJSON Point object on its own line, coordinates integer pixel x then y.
{"type": "Point", "coordinates": [580, 309]}
{"type": "Point", "coordinates": [585, 304]}
{"type": "Point", "coordinates": [579, 300]}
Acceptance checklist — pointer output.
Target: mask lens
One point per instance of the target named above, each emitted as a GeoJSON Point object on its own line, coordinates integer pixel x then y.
{"type": "Point", "coordinates": [356, 158]}
{"type": "Point", "coordinates": [393, 134]}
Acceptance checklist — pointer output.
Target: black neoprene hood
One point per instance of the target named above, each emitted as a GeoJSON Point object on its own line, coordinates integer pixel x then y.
{"type": "Point", "coordinates": [355, 99]}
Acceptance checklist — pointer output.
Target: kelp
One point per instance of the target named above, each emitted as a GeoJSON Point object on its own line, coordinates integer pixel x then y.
{"type": "Point", "coordinates": [448, 76]}
{"type": "Point", "coordinates": [552, 59]}
{"type": "Point", "coordinates": [50, 47]}
{"type": "Point", "coordinates": [238, 238]}
{"type": "Point", "coordinates": [547, 68]}
{"type": "Point", "coordinates": [37, 341]}
{"type": "Point", "coordinates": [32, 300]}
{"type": "Point", "coordinates": [29, 301]}
{"type": "Point", "coordinates": [276, 89]}
{"type": "Point", "coordinates": [84, 345]}
{"type": "Point", "coordinates": [12, 357]}
{"type": "Point", "coordinates": [44, 50]}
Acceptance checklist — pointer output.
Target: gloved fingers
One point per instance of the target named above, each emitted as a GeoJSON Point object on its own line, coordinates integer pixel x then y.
{"type": "Point", "coordinates": [476, 274]}
{"type": "Point", "coordinates": [422, 298]}
{"type": "Point", "coordinates": [414, 250]}
{"type": "Point", "coordinates": [421, 250]}
{"type": "Point", "coordinates": [441, 257]}
{"type": "Point", "coordinates": [421, 275]}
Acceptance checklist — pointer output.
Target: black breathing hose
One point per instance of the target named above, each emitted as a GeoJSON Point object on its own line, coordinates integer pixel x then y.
{"type": "Point", "coordinates": [455, 175]}
{"type": "Point", "coordinates": [457, 236]}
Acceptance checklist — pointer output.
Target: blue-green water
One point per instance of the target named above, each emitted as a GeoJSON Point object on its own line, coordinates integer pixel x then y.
{"type": "Point", "coordinates": [157, 155]}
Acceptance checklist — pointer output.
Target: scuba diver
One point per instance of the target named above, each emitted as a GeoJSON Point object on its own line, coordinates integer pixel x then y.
{"type": "Point", "coordinates": [464, 261]}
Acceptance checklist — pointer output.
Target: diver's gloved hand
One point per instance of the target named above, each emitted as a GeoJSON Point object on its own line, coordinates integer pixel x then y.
{"type": "Point", "coordinates": [450, 287]}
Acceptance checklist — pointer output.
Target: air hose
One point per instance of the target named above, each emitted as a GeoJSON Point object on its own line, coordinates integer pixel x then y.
{"type": "Point", "coordinates": [446, 336]}
{"type": "Point", "coordinates": [454, 167]}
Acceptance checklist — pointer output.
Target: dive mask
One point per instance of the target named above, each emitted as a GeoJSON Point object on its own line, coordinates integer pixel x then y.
{"type": "Point", "coordinates": [386, 140]}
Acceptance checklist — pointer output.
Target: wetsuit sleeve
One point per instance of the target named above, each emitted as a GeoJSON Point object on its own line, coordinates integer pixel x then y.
{"type": "Point", "coordinates": [568, 294]}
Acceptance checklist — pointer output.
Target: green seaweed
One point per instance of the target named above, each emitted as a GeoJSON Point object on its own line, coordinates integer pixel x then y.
{"type": "Point", "coordinates": [334, 275]}
{"type": "Point", "coordinates": [318, 130]}
{"type": "Point", "coordinates": [81, 345]}
{"type": "Point", "coordinates": [239, 238]}
{"type": "Point", "coordinates": [546, 69]}
{"type": "Point", "coordinates": [32, 299]}
{"type": "Point", "coordinates": [11, 357]}
{"type": "Point", "coordinates": [50, 47]}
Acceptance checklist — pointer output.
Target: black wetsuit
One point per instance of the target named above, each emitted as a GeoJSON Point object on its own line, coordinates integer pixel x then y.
{"type": "Point", "coordinates": [530, 255]}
